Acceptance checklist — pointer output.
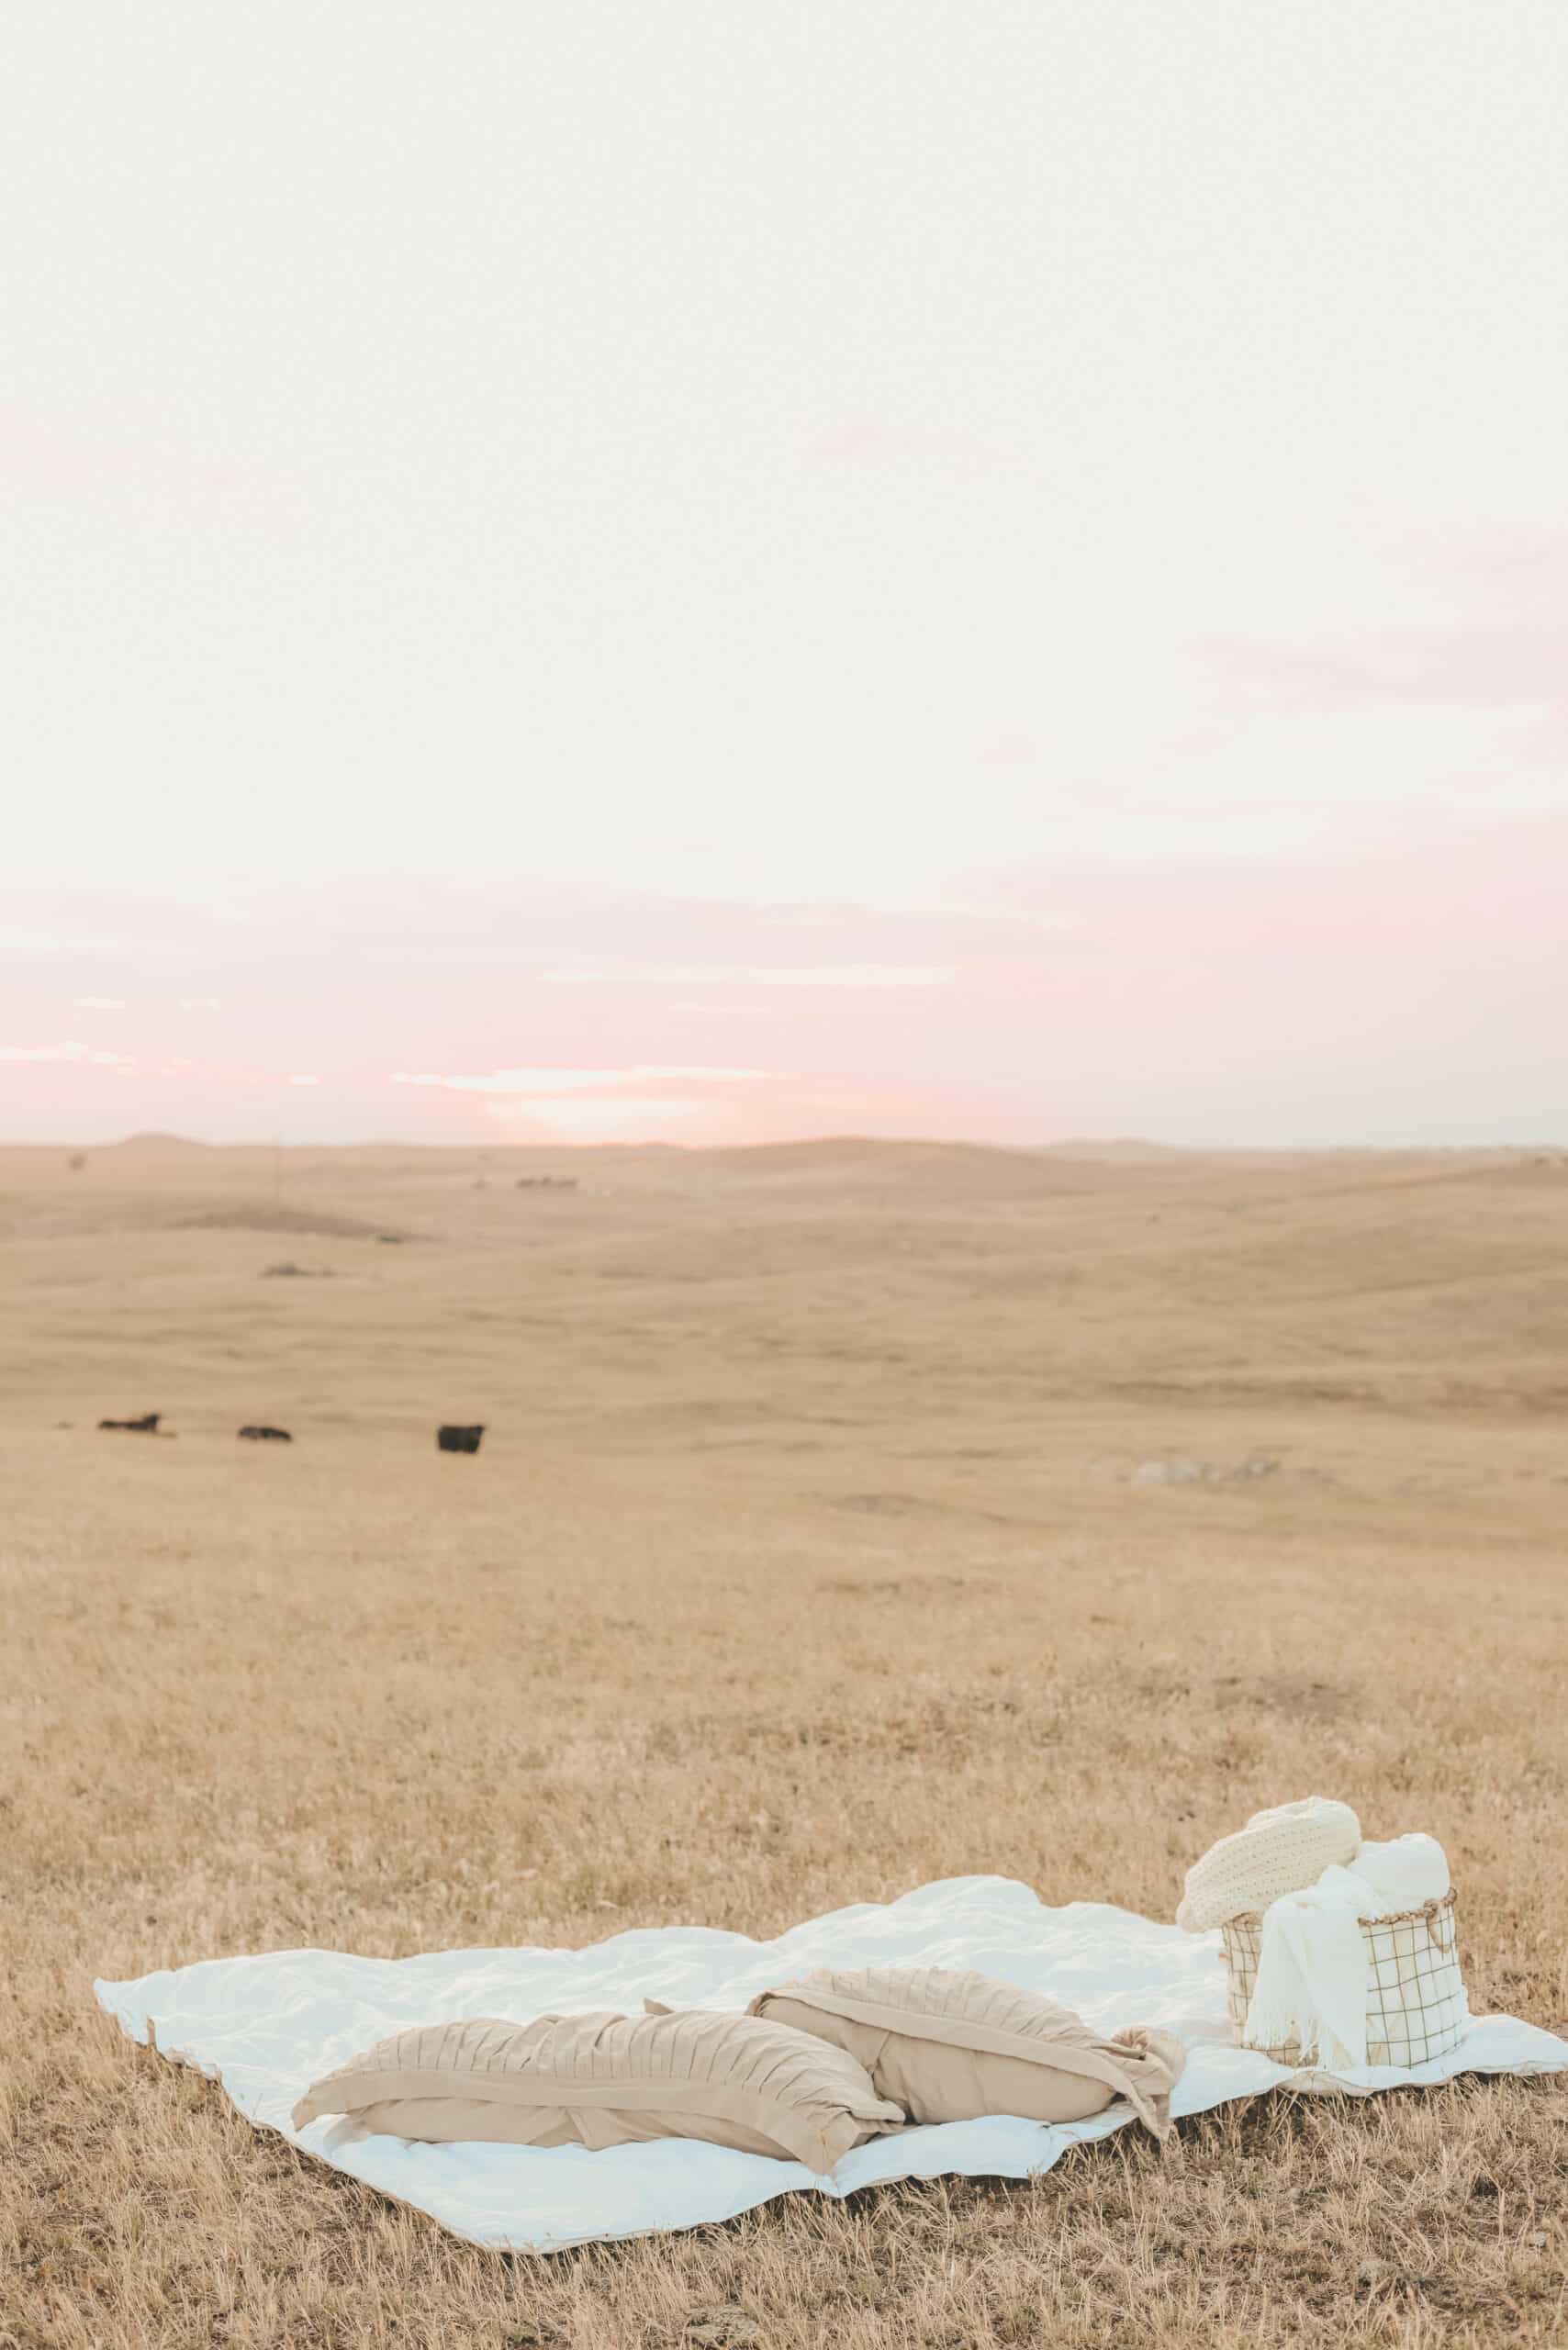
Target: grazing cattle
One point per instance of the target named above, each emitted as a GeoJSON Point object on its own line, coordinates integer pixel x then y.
{"type": "Point", "coordinates": [146, 1426]}
{"type": "Point", "coordinates": [459, 1439]}
{"type": "Point", "coordinates": [268, 1435]}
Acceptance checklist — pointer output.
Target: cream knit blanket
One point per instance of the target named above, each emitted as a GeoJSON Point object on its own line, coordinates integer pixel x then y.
{"type": "Point", "coordinates": [1277, 1851]}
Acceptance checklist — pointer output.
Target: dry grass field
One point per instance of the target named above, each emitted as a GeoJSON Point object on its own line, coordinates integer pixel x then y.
{"type": "Point", "coordinates": [803, 1563]}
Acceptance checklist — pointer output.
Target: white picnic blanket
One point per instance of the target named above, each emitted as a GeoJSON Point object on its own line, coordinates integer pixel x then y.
{"type": "Point", "coordinates": [267, 2026]}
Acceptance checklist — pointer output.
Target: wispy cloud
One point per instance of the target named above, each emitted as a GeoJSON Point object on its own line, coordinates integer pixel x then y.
{"type": "Point", "coordinates": [695, 1008]}
{"type": "Point", "coordinates": [100, 1003]}
{"type": "Point", "coordinates": [64, 1053]}
{"type": "Point", "coordinates": [1225, 996]}
{"type": "Point", "coordinates": [869, 443]}
{"type": "Point", "coordinates": [549, 1083]}
{"type": "Point", "coordinates": [802, 975]}
{"type": "Point", "coordinates": [21, 938]}
{"type": "Point", "coordinates": [1482, 666]}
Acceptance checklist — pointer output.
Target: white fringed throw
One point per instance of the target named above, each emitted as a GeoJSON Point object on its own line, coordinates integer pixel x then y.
{"type": "Point", "coordinates": [1312, 1985]}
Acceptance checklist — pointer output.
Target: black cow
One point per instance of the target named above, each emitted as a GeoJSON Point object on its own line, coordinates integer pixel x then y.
{"type": "Point", "coordinates": [459, 1440]}
{"type": "Point", "coordinates": [146, 1426]}
{"type": "Point", "coordinates": [268, 1435]}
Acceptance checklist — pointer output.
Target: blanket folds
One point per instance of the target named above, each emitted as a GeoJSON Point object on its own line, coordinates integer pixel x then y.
{"type": "Point", "coordinates": [261, 2025]}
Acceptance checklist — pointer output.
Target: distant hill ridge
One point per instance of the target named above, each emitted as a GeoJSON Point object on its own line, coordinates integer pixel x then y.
{"type": "Point", "coordinates": [824, 1151]}
{"type": "Point", "coordinates": [1125, 1149]}
{"type": "Point", "coordinates": [155, 1140]}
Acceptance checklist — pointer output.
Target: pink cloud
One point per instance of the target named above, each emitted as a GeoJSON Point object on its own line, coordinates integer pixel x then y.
{"type": "Point", "coordinates": [1413, 986]}
{"type": "Point", "coordinates": [873, 445]}
{"type": "Point", "coordinates": [806, 975]}
{"type": "Point", "coordinates": [64, 1054]}
{"type": "Point", "coordinates": [1478, 667]}
{"type": "Point", "coordinates": [549, 1084]}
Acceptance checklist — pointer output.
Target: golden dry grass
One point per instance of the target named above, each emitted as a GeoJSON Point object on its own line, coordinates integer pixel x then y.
{"type": "Point", "coordinates": [800, 1566]}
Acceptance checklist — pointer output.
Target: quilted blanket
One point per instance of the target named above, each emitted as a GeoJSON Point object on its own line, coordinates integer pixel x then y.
{"type": "Point", "coordinates": [266, 2026]}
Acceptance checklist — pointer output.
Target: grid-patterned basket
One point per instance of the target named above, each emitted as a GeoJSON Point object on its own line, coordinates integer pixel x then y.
{"type": "Point", "coordinates": [1417, 2006]}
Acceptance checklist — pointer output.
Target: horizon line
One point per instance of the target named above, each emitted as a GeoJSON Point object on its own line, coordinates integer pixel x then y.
{"type": "Point", "coordinates": [158, 1138]}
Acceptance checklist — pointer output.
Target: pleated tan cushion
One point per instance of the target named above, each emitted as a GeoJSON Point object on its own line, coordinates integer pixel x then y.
{"type": "Point", "coordinates": [951, 2046]}
{"type": "Point", "coordinates": [610, 2080]}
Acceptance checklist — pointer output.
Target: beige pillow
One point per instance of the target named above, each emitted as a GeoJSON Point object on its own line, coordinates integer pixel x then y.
{"type": "Point", "coordinates": [949, 2047]}
{"type": "Point", "coordinates": [610, 2080]}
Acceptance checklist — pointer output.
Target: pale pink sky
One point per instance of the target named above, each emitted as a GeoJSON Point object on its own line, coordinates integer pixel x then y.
{"type": "Point", "coordinates": [598, 573]}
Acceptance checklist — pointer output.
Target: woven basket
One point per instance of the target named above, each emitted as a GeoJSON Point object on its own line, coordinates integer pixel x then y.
{"type": "Point", "coordinates": [1417, 2006]}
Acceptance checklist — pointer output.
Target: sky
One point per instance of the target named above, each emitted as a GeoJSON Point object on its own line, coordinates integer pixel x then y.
{"type": "Point", "coordinates": [585, 572]}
